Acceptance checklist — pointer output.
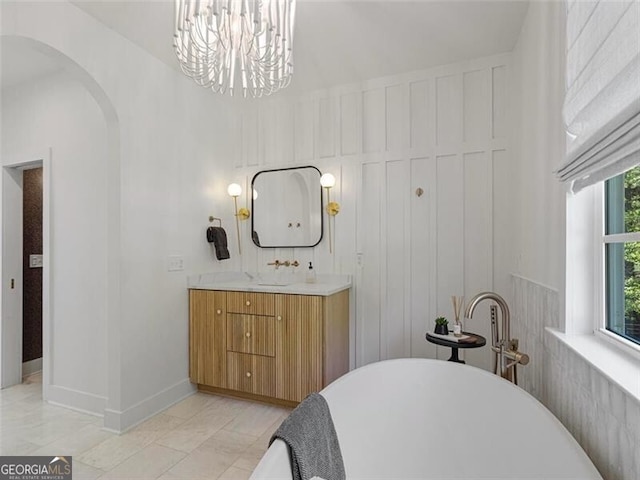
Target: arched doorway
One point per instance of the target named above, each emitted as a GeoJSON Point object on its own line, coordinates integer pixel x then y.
{"type": "Point", "coordinates": [52, 292]}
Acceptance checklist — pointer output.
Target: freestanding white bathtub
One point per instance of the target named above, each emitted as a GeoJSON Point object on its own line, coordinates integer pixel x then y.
{"type": "Point", "coordinates": [429, 419]}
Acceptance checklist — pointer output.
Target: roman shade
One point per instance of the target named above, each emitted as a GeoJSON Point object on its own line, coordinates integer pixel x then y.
{"type": "Point", "coordinates": [602, 101]}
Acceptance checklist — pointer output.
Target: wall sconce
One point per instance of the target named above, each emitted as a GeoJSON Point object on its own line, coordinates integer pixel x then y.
{"type": "Point", "coordinates": [328, 181]}
{"type": "Point", "coordinates": [234, 190]}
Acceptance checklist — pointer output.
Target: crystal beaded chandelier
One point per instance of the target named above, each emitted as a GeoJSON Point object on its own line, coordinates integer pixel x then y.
{"type": "Point", "coordinates": [222, 44]}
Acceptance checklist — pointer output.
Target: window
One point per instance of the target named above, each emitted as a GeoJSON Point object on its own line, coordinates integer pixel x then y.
{"type": "Point", "coordinates": [622, 255]}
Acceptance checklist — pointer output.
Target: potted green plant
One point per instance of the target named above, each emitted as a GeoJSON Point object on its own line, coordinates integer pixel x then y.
{"type": "Point", "coordinates": [441, 326]}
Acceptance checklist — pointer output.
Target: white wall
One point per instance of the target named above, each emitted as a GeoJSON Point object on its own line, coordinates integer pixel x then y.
{"type": "Point", "coordinates": [444, 130]}
{"type": "Point", "coordinates": [164, 172]}
{"type": "Point", "coordinates": [60, 113]}
{"type": "Point", "coordinates": [538, 92]}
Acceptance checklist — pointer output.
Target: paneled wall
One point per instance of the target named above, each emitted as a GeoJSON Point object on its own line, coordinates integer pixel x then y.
{"type": "Point", "coordinates": [444, 131]}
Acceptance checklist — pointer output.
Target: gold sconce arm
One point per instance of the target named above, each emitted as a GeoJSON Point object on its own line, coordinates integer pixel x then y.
{"type": "Point", "coordinates": [333, 208]}
{"type": "Point", "coordinates": [243, 214]}
{"type": "Point", "coordinates": [234, 190]}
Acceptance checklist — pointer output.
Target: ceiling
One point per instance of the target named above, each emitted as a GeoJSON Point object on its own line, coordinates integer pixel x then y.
{"type": "Point", "coordinates": [340, 42]}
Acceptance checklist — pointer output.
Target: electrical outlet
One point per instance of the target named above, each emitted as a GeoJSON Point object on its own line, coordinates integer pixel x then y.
{"type": "Point", "coordinates": [359, 257]}
{"type": "Point", "coordinates": [176, 263]}
{"type": "Point", "coordinates": [35, 261]}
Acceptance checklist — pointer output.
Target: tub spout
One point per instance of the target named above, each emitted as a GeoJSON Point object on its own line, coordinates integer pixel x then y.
{"type": "Point", "coordinates": [504, 347]}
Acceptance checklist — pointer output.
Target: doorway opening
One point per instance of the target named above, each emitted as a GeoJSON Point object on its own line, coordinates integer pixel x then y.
{"type": "Point", "coordinates": [32, 262]}
{"type": "Point", "coordinates": [25, 267]}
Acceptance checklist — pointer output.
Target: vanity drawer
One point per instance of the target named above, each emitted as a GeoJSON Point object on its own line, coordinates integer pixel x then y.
{"type": "Point", "coordinates": [254, 334]}
{"type": "Point", "coordinates": [251, 303]}
{"type": "Point", "coordinates": [251, 373]}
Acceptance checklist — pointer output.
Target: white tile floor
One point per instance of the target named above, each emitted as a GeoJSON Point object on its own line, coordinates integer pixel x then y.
{"type": "Point", "coordinates": [204, 436]}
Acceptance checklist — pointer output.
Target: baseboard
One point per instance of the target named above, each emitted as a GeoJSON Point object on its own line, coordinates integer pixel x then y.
{"type": "Point", "coordinates": [31, 367]}
{"type": "Point", "coordinates": [121, 421]}
{"type": "Point", "coordinates": [76, 400]}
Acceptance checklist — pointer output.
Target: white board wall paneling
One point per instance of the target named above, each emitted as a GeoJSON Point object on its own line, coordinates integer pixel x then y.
{"type": "Point", "coordinates": [373, 121]}
{"type": "Point", "coordinates": [476, 108]}
{"type": "Point", "coordinates": [503, 228]}
{"type": "Point", "coordinates": [345, 221]}
{"type": "Point", "coordinates": [267, 136]}
{"type": "Point", "coordinates": [285, 134]}
{"type": "Point", "coordinates": [395, 325]}
{"type": "Point", "coordinates": [326, 261]}
{"type": "Point", "coordinates": [368, 287]}
{"type": "Point", "coordinates": [250, 132]}
{"type": "Point", "coordinates": [382, 140]}
{"type": "Point", "coordinates": [448, 112]}
{"type": "Point", "coordinates": [478, 248]}
{"type": "Point", "coordinates": [421, 264]}
{"type": "Point", "coordinates": [420, 116]}
{"type": "Point", "coordinates": [450, 236]}
{"type": "Point", "coordinates": [396, 123]}
{"type": "Point", "coordinates": [235, 148]}
{"type": "Point", "coordinates": [304, 130]}
{"type": "Point", "coordinates": [350, 137]}
{"type": "Point", "coordinates": [499, 102]}
{"type": "Point", "coordinates": [327, 122]}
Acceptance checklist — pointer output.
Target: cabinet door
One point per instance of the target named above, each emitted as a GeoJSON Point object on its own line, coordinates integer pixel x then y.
{"type": "Point", "coordinates": [207, 338]}
{"type": "Point", "coordinates": [251, 373]}
{"type": "Point", "coordinates": [251, 334]}
{"type": "Point", "coordinates": [299, 347]}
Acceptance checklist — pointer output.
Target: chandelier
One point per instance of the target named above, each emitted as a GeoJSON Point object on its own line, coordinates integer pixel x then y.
{"type": "Point", "coordinates": [224, 44]}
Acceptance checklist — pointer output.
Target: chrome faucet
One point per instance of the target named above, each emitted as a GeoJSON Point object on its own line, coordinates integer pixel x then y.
{"type": "Point", "coordinates": [504, 347]}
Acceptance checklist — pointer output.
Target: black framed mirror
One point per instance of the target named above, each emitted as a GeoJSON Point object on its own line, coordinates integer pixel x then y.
{"type": "Point", "coordinates": [286, 206]}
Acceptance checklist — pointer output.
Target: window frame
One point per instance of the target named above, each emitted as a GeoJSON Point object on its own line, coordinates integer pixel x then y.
{"type": "Point", "coordinates": [600, 284]}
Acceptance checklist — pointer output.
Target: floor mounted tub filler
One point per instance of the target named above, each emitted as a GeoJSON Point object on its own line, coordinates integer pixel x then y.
{"type": "Point", "coordinates": [429, 419]}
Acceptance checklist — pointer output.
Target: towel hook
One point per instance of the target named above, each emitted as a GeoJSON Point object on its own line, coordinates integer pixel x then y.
{"type": "Point", "coordinates": [214, 219]}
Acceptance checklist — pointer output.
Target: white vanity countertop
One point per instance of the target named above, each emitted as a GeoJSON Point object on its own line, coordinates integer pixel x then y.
{"type": "Point", "coordinates": [285, 282]}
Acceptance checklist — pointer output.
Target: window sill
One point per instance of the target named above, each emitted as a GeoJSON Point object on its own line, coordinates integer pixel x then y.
{"type": "Point", "coordinates": [619, 367]}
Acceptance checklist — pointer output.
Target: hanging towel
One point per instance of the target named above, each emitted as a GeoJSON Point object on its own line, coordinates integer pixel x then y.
{"type": "Point", "coordinates": [311, 436]}
{"type": "Point", "coordinates": [218, 237]}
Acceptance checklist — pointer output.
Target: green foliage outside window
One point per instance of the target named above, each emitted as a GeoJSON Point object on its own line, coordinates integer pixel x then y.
{"type": "Point", "coordinates": [632, 254]}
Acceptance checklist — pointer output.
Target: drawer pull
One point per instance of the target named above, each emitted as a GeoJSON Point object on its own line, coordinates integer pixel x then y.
{"type": "Point", "coordinates": [248, 303]}
{"type": "Point", "coordinates": [248, 334]}
{"type": "Point", "coordinates": [279, 317]}
{"type": "Point", "coordinates": [219, 312]}
{"type": "Point", "coordinates": [248, 374]}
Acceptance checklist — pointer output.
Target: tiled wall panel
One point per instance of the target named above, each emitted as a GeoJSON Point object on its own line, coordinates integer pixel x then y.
{"type": "Point", "coordinates": [603, 418]}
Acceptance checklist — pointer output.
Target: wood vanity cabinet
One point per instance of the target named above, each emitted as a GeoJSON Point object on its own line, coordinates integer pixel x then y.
{"type": "Point", "coordinates": [277, 347]}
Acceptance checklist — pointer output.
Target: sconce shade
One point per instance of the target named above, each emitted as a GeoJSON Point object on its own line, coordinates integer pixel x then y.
{"type": "Point", "coordinates": [234, 190]}
{"type": "Point", "coordinates": [327, 180]}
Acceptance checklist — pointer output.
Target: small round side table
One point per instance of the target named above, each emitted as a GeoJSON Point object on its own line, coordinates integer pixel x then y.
{"type": "Point", "coordinates": [480, 341]}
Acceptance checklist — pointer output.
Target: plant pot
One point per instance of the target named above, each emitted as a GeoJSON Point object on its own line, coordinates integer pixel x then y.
{"type": "Point", "coordinates": [442, 330]}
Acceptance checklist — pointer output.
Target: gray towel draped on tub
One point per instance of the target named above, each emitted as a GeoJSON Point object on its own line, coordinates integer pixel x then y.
{"type": "Point", "coordinates": [311, 436]}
